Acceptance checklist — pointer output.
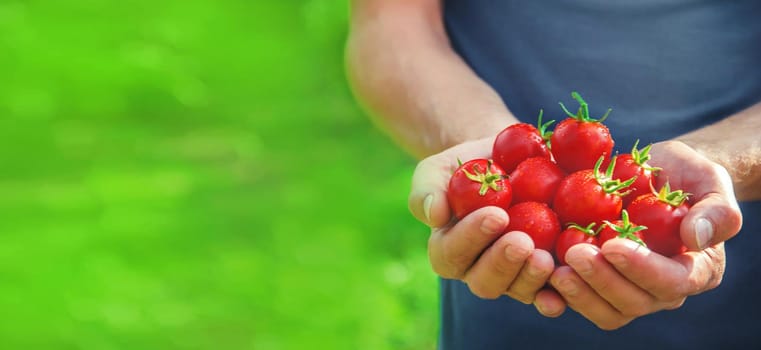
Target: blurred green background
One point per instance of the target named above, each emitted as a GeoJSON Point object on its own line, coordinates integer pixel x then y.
{"type": "Point", "coordinates": [196, 175]}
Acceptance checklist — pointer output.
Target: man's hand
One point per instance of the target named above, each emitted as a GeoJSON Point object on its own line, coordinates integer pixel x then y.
{"type": "Point", "coordinates": [621, 281]}
{"type": "Point", "coordinates": [474, 249]}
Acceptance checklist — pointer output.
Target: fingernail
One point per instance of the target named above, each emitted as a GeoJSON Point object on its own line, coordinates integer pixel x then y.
{"type": "Point", "coordinates": [515, 254]}
{"type": "Point", "coordinates": [568, 287]}
{"type": "Point", "coordinates": [491, 225]}
{"type": "Point", "coordinates": [617, 259]}
{"type": "Point", "coordinates": [543, 309]}
{"type": "Point", "coordinates": [533, 271]}
{"type": "Point", "coordinates": [703, 232]}
{"type": "Point", "coordinates": [427, 204]}
{"type": "Point", "coordinates": [583, 264]}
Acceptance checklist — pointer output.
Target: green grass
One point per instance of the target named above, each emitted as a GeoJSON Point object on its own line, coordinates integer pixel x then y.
{"type": "Point", "coordinates": [196, 175]}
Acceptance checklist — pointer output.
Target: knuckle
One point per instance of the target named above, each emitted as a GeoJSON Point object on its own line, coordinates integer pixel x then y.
{"type": "Point", "coordinates": [612, 324]}
{"type": "Point", "coordinates": [458, 263]}
{"type": "Point", "coordinates": [603, 286]}
{"type": "Point", "coordinates": [521, 296]}
{"type": "Point", "coordinates": [713, 283]}
{"type": "Point", "coordinates": [483, 290]}
{"type": "Point", "coordinates": [718, 170]}
{"type": "Point", "coordinates": [442, 269]}
{"type": "Point", "coordinates": [446, 269]}
{"type": "Point", "coordinates": [677, 293]}
{"type": "Point", "coordinates": [717, 261]}
{"type": "Point", "coordinates": [634, 310]}
{"type": "Point", "coordinates": [675, 305]}
{"type": "Point", "coordinates": [442, 261]}
{"type": "Point", "coordinates": [442, 272]}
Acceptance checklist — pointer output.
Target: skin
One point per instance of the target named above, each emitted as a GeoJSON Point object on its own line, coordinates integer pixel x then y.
{"type": "Point", "coordinates": [395, 56]}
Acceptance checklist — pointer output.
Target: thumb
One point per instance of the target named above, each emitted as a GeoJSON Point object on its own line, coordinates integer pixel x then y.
{"type": "Point", "coordinates": [428, 194]}
{"type": "Point", "coordinates": [715, 217]}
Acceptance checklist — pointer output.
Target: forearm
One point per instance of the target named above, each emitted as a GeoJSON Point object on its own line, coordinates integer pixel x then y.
{"type": "Point", "coordinates": [417, 89]}
{"type": "Point", "coordinates": [735, 143]}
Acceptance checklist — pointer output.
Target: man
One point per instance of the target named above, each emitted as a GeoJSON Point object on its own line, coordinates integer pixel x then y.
{"type": "Point", "coordinates": [442, 78]}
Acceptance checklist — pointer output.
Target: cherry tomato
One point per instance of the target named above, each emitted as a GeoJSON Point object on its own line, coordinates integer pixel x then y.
{"type": "Point", "coordinates": [589, 196]}
{"type": "Point", "coordinates": [578, 141]}
{"type": "Point", "coordinates": [538, 221]}
{"type": "Point", "coordinates": [662, 213]}
{"type": "Point", "coordinates": [622, 228]}
{"type": "Point", "coordinates": [520, 141]}
{"type": "Point", "coordinates": [572, 236]}
{"type": "Point", "coordinates": [476, 184]}
{"type": "Point", "coordinates": [535, 180]}
{"type": "Point", "coordinates": [634, 165]}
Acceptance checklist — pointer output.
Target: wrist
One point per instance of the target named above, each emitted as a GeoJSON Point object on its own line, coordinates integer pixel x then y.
{"type": "Point", "coordinates": [474, 127]}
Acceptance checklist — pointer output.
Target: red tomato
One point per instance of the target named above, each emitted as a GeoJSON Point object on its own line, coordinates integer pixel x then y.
{"type": "Point", "coordinates": [634, 164]}
{"type": "Point", "coordinates": [588, 196]}
{"type": "Point", "coordinates": [535, 180]}
{"type": "Point", "coordinates": [577, 142]}
{"type": "Point", "coordinates": [622, 228]}
{"type": "Point", "coordinates": [476, 184]}
{"type": "Point", "coordinates": [538, 221]}
{"type": "Point", "coordinates": [662, 213]}
{"type": "Point", "coordinates": [572, 236]}
{"type": "Point", "coordinates": [520, 141]}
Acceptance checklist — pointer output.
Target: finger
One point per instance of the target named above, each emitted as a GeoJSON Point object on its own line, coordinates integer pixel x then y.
{"type": "Point", "coordinates": [714, 219]}
{"type": "Point", "coordinates": [582, 298]}
{"type": "Point", "coordinates": [452, 250]}
{"type": "Point", "coordinates": [427, 200]}
{"type": "Point", "coordinates": [499, 265]}
{"type": "Point", "coordinates": [625, 296]}
{"type": "Point", "coordinates": [667, 279]}
{"type": "Point", "coordinates": [715, 215]}
{"type": "Point", "coordinates": [532, 277]}
{"type": "Point", "coordinates": [549, 303]}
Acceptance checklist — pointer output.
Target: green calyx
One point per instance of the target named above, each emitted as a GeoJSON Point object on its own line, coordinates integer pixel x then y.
{"type": "Point", "coordinates": [627, 230]}
{"type": "Point", "coordinates": [608, 183]}
{"type": "Point", "coordinates": [641, 156]}
{"type": "Point", "coordinates": [672, 198]}
{"type": "Point", "coordinates": [589, 230]}
{"type": "Point", "coordinates": [546, 135]}
{"type": "Point", "coordinates": [487, 179]}
{"type": "Point", "coordinates": [582, 114]}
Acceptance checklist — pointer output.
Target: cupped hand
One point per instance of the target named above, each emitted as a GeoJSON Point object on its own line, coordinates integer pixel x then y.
{"type": "Point", "coordinates": [613, 285]}
{"type": "Point", "coordinates": [476, 249]}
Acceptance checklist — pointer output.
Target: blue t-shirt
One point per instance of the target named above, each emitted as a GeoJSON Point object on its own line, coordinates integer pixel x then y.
{"type": "Point", "coordinates": [665, 67]}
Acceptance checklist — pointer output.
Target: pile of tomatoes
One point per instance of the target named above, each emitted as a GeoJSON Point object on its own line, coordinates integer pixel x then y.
{"type": "Point", "coordinates": [565, 187]}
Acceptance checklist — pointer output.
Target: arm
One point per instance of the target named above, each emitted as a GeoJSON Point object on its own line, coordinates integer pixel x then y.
{"type": "Point", "coordinates": [402, 69]}
{"type": "Point", "coordinates": [734, 143]}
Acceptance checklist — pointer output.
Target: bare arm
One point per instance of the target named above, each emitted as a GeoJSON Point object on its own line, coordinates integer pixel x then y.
{"type": "Point", "coordinates": [403, 70]}
{"type": "Point", "coordinates": [735, 143]}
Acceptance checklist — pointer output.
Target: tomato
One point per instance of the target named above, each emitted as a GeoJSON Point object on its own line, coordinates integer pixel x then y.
{"type": "Point", "coordinates": [578, 141]}
{"type": "Point", "coordinates": [476, 184]}
{"type": "Point", "coordinates": [622, 228]}
{"type": "Point", "coordinates": [572, 236]}
{"type": "Point", "coordinates": [535, 180]}
{"type": "Point", "coordinates": [634, 164]}
{"type": "Point", "coordinates": [537, 220]}
{"type": "Point", "coordinates": [588, 196]}
{"type": "Point", "coordinates": [520, 141]}
{"type": "Point", "coordinates": [662, 213]}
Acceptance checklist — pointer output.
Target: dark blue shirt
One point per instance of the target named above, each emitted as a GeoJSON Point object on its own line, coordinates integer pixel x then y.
{"type": "Point", "coordinates": [665, 67]}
